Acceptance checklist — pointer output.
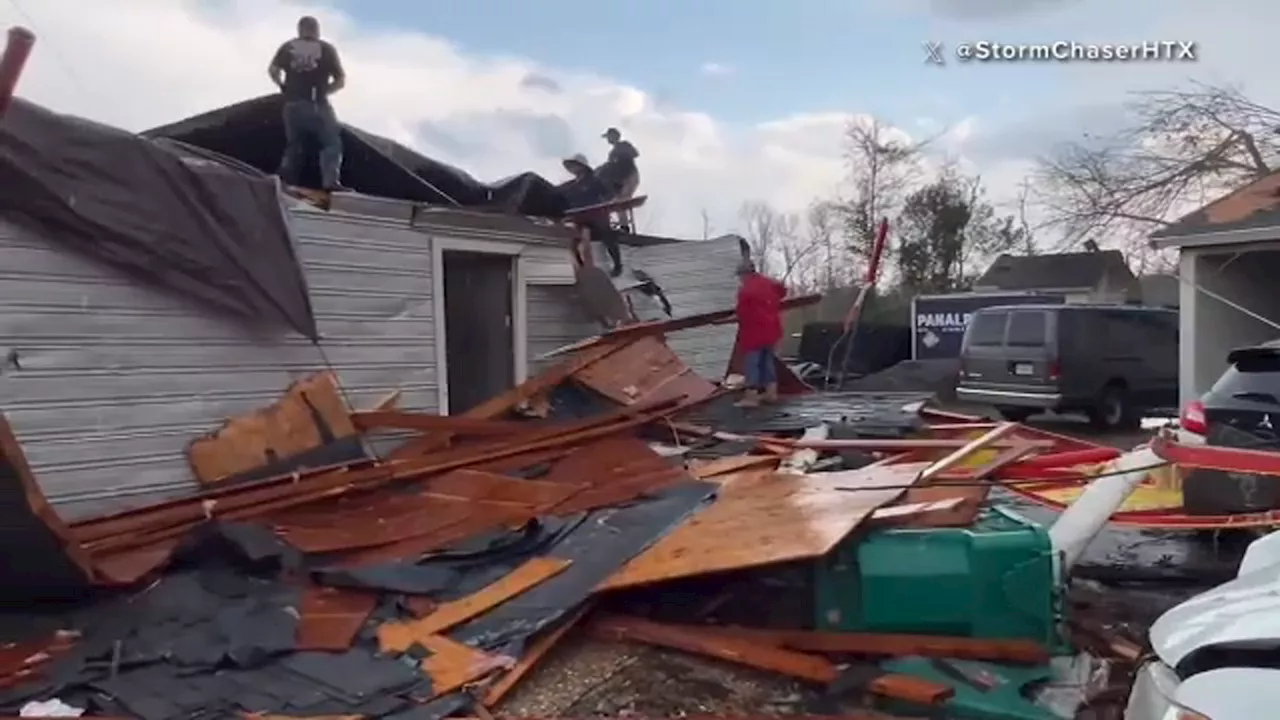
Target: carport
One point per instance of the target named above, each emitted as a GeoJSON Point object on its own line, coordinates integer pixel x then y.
{"type": "Point", "coordinates": [1229, 266]}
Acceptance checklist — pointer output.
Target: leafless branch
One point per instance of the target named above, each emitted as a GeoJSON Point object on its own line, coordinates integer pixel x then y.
{"type": "Point", "coordinates": [1181, 149]}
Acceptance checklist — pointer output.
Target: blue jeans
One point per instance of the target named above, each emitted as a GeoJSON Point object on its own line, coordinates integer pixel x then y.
{"type": "Point", "coordinates": [308, 124]}
{"type": "Point", "coordinates": [759, 368]}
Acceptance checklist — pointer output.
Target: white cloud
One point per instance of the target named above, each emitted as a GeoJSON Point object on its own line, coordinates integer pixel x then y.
{"type": "Point", "coordinates": [143, 63]}
{"type": "Point", "coordinates": [715, 69]}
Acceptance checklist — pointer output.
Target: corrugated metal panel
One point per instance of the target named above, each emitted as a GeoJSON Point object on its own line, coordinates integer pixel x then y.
{"type": "Point", "coordinates": [113, 379]}
{"type": "Point", "coordinates": [697, 277]}
{"type": "Point", "coordinates": [556, 318]}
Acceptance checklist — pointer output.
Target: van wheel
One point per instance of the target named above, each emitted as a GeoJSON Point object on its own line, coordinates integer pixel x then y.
{"type": "Point", "coordinates": [1113, 410]}
{"type": "Point", "coordinates": [1016, 414]}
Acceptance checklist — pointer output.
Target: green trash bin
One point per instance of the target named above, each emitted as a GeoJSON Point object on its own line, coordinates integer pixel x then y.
{"type": "Point", "coordinates": [993, 580]}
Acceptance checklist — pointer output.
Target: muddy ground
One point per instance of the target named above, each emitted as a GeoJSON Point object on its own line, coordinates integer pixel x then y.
{"type": "Point", "coordinates": [1127, 579]}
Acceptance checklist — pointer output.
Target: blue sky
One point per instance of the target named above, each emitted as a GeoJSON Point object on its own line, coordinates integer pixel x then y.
{"type": "Point", "coordinates": [801, 56]}
{"type": "Point", "coordinates": [499, 87]}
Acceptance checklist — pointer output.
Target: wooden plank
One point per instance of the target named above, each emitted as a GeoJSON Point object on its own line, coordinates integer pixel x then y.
{"type": "Point", "coordinates": [532, 657]}
{"type": "Point", "coordinates": [644, 370]}
{"type": "Point", "coordinates": [453, 665]}
{"type": "Point", "coordinates": [1024, 652]}
{"type": "Point", "coordinates": [760, 518]}
{"type": "Point", "coordinates": [476, 485]}
{"type": "Point", "coordinates": [959, 455]}
{"type": "Point", "coordinates": [752, 654]}
{"type": "Point", "coordinates": [400, 636]}
{"type": "Point", "coordinates": [311, 414]}
{"type": "Point", "coordinates": [427, 422]}
{"type": "Point", "coordinates": [710, 469]}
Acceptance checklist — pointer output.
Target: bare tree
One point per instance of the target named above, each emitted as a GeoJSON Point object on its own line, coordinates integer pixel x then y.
{"type": "Point", "coordinates": [1022, 206]}
{"type": "Point", "coordinates": [1181, 149]}
{"type": "Point", "coordinates": [883, 163]}
{"type": "Point", "coordinates": [706, 223]}
{"type": "Point", "coordinates": [761, 228]}
{"type": "Point", "coordinates": [822, 228]}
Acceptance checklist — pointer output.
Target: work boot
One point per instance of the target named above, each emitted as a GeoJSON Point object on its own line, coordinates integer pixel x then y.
{"type": "Point", "coordinates": [771, 393]}
{"type": "Point", "coordinates": [750, 399]}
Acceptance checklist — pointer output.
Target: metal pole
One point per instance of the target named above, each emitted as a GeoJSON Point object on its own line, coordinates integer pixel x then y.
{"type": "Point", "coordinates": [14, 59]}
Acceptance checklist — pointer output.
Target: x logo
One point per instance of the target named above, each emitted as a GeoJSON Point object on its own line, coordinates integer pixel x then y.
{"type": "Point", "coordinates": [933, 53]}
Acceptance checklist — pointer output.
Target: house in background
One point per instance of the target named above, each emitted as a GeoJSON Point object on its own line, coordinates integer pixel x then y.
{"type": "Point", "coordinates": [1095, 276]}
{"type": "Point", "coordinates": [1228, 262]}
{"type": "Point", "coordinates": [1162, 290]}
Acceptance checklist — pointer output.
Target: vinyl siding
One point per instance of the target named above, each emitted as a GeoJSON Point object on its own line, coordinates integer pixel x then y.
{"type": "Point", "coordinates": [697, 277]}
{"type": "Point", "coordinates": [114, 379]}
{"type": "Point", "coordinates": [556, 318]}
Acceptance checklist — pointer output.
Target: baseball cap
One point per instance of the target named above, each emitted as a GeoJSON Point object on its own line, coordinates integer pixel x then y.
{"type": "Point", "coordinates": [610, 131]}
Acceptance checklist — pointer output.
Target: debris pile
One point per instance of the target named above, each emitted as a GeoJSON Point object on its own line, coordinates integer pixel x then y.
{"type": "Point", "coordinates": [313, 578]}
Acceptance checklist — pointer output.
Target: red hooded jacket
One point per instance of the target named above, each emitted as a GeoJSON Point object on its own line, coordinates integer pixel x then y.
{"type": "Point", "coordinates": [759, 312]}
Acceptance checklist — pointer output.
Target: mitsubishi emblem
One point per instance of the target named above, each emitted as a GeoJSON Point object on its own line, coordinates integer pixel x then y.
{"type": "Point", "coordinates": [1266, 423]}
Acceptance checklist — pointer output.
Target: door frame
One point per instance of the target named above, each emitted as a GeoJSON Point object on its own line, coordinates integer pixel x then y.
{"type": "Point", "coordinates": [519, 304]}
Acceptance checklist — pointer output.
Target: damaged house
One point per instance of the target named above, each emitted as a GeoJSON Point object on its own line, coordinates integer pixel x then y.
{"type": "Point", "coordinates": [156, 286]}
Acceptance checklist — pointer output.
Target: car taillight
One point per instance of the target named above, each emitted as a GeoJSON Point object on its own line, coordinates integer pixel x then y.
{"type": "Point", "coordinates": [1192, 419]}
{"type": "Point", "coordinates": [1055, 369]}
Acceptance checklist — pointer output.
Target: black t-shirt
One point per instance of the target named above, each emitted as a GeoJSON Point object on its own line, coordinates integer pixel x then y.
{"type": "Point", "coordinates": [623, 154]}
{"type": "Point", "coordinates": [308, 67]}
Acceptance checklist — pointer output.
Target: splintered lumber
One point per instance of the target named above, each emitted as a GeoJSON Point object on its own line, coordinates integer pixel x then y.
{"type": "Point", "coordinates": [311, 415]}
{"type": "Point", "coordinates": [148, 526]}
{"type": "Point", "coordinates": [452, 665]}
{"type": "Point", "coordinates": [761, 518]}
{"type": "Point", "coordinates": [427, 422]}
{"type": "Point", "coordinates": [960, 454]}
{"type": "Point", "coordinates": [1023, 652]}
{"type": "Point", "coordinates": [752, 654]}
{"type": "Point", "coordinates": [534, 655]}
{"type": "Point", "coordinates": [397, 637]}
{"type": "Point", "coordinates": [644, 369]}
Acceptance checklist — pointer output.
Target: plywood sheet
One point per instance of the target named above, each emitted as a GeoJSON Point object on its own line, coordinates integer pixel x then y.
{"type": "Point", "coordinates": [311, 414]}
{"type": "Point", "coordinates": [644, 370]}
{"type": "Point", "coordinates": [761, 518]}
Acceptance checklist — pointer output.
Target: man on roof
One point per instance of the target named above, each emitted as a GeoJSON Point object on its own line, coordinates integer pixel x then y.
{"type": "Point", "coordinates": [307, 70]}
{"type": "Point", "coordinates": [585, 190]}
{"type": "Point", "coordinates": [620, 172]}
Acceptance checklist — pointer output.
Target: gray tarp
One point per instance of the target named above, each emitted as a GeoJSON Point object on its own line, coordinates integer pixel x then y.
{"type": "Point", "coordinates": [175, 217]}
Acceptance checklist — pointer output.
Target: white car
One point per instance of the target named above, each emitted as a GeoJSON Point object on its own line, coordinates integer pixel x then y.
{"type": "Point", "coordinates": [1218, 654]}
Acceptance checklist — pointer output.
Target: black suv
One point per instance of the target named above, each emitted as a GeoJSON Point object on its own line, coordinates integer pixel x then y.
{"type": "Point", "coordinates": [1112, 362]}
{"type": "Point", "coordinates": [1241, 410]}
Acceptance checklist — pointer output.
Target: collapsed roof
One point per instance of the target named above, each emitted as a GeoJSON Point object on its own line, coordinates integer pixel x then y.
{"type": "Point", "coordinates": [253, 132]}
{"type": "Point", "coordinates": [165, 214]}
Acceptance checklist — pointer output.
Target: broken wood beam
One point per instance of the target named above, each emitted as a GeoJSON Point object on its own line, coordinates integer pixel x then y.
{"type": "Point", "coordinates": [955, 457]}
{"type": "Point", "coordinates": [427, 422]}
{"type": "Point", "coordinates": [1022, 652]}
{"type": "Point", "coordinates": [399, 636]}
{"type": "Point", "coordinates": [750, 653]}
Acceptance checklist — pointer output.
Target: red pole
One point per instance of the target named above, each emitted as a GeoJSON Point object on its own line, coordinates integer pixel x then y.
{"type": "Point", "coordinates": [16, 52]}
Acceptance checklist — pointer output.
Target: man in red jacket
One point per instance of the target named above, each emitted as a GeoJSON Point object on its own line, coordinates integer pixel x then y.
{"type": "Point", "coordinates": [759, 330]}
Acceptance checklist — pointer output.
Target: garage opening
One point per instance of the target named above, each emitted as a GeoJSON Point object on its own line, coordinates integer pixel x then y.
{"type": "Point", "coordinates": [479, 340]}
{"type": "Point", "coordinates": [1236, 306]}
